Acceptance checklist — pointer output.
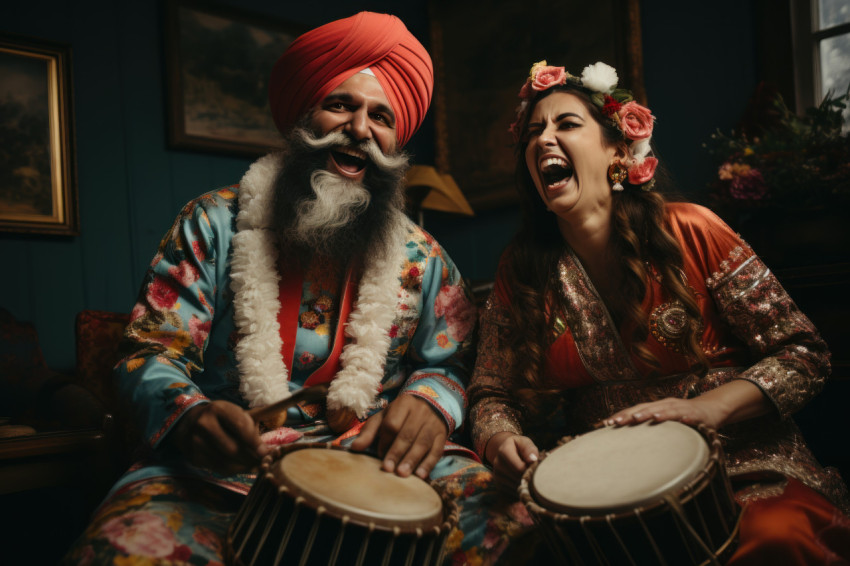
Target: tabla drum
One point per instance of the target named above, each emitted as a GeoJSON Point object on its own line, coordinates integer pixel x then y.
{"type": "Point", "coordinates": [322, 504]}
{"type": "Point", "coordinates": [641, 495]}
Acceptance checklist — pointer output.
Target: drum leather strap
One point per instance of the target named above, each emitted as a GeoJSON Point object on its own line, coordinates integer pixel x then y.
{"type": "Point", "coordinates": [676, 506]}
{"type": "Point", "coordinates": [290, 289]}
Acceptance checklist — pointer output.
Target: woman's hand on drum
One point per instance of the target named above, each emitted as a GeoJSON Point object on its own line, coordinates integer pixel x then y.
{"type": "Point", "coordinates": [221, 436]}
{"type": "Point", "coordinates": [732, 402]}
{"type": "Point", "coordinates": [688, 411]}
{"type": "Point", "coordinates": [411, 436]}
{"type": "Point", "coordinates": [510, 454]}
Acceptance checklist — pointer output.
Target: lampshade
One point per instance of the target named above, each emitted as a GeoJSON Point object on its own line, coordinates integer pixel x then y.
{"type": "Point", "coordinates": [441, 191]}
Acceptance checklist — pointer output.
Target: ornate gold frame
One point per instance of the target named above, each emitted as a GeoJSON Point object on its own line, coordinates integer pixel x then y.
{"type": "Point", "coordinates": [20, 208]}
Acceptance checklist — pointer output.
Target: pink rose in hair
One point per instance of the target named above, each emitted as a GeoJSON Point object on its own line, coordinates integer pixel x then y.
{"type": "Point", "coordinates": [642, 172]}
{"type": "Point", "coordinates": [547, 77]}
{"type": "Point", "coordinates": [636, 121]}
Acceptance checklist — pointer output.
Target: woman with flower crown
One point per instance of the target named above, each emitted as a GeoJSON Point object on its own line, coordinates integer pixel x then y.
{"type": "Point", "coordinates": [614, 306]}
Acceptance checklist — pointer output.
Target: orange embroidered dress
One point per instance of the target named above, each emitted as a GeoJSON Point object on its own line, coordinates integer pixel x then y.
{"type": "Point", "coordinates": [751, 329]}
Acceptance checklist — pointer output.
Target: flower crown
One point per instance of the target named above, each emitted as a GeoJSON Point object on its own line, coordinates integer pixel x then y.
{"type": "Point", "coordinates": [618, 104]}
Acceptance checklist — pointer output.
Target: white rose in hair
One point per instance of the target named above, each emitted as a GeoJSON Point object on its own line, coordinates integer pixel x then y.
{"type": "Point", "coordinates": [599, 77]}
{"type": "Point", "coordinates": [640, 149]}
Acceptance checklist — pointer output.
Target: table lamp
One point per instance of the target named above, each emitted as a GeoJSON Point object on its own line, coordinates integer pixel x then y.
{"type": "Point", "coordinates": [428, 188]}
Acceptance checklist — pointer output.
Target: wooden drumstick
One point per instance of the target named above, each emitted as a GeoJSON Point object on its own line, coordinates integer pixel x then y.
{"type": "Point", "coordinates": [308, 394]}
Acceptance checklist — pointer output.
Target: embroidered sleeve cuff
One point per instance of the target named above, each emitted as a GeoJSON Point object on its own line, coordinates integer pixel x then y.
{"type": "Point", "coordinates": [491, 421]}
{"type": "Point", "coordinates": [443, 393]}
{"type": "Point", "coordinates": [158, 394]}
{"type": "Point", "coordinates": [792, 359]}
{"type": "Point", "coordinates": [787, 388]}
{"type": "Point", "coordinates": [183, 404]}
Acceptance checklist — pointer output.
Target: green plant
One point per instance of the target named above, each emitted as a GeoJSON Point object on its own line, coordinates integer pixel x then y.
{"type": "Point", "coordinates": [785, 160]}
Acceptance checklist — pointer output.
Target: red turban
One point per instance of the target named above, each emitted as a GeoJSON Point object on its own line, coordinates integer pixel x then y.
{"type": "Point", "coordinates": [322, 59]}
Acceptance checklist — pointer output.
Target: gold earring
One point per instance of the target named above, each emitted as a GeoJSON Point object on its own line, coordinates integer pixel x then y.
{"type": "Point", "coordinates": [617, 173]}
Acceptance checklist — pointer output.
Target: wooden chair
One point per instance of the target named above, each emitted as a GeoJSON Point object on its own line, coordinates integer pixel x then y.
{"type": "Point", "coordinates": [56, 459]}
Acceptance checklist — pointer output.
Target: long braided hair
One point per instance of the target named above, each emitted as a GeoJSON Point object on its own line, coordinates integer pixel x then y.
{"type": "Point", "coordinates": [639, 236]}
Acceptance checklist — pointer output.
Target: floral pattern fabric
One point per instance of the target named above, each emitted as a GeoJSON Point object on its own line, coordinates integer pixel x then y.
{"type": "Point", "coordinates": [317, 318]}
{"type": "Point", "coordinates": [178, 351]}
{"type": "Point", "coordinates": [178, 348]}
{"type": "Point", "coordinates": [160, 521]}
{"type": "Point", "coordinates": [165, 515]}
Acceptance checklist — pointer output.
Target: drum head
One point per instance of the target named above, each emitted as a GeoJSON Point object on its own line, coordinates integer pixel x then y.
{"type": "Point", "coordinates": [611, 470]}
{"type": "Point", "coordinates": [351, 484]}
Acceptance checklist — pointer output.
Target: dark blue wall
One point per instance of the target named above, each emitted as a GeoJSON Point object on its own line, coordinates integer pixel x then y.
{"type": "Point", "coordinates": [699, 71]}
{"type": "Point", "coordinates": [699, 67]}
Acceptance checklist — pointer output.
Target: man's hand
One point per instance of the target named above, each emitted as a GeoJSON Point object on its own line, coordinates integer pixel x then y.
{"type": "Point", "coordinates": [511, 455]}
{"type": "Point", "coordinates": [221, 436]}
{"type": "Point", "coordinates": [410, 434]}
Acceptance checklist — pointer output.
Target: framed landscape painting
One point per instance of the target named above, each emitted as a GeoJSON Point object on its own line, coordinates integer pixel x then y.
{"type": "Point", "coordinates": [480, 68]}
{"type": "Point", "coordinates": [37, 164]}
{"type": "Point", "coordinates": [218, 62]}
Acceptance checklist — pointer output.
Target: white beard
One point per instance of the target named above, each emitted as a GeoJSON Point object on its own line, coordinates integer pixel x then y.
{"type": "Point", "coordinates": [326, 212]}
{"type": "Point", "coordinates": [254, 282]}
{"type": "Point", "coordinates": [338, 201]}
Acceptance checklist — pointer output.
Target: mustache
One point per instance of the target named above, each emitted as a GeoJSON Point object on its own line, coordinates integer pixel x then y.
{"type": "Point", "coordinates": [386, 163]}
{"type": "Point", "coordinates": [319, 211]}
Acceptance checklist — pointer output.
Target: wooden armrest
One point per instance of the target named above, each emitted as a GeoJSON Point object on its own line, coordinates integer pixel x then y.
{"type": "Point", "coordinates": [74, 407]}
{"type": "Point", "coordinates": [47, 443]}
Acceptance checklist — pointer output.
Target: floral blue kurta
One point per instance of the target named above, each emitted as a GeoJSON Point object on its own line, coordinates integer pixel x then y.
{"type": "Point", "coordinates": [179, 351]}
{"type": "Point", "coordinates": [182, 332]}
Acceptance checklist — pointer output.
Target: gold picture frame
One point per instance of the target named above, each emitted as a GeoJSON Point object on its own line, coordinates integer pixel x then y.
{"type": "Point", "coordinates": [481, 56]}
{"type": "Point", "coordinates": [218, 61]}
{"type": "Point", "coordinates": [38, 181]}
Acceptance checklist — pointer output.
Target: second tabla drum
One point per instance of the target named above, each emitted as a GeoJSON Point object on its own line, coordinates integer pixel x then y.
{"type": "Point", "coordinates": [645, 494]}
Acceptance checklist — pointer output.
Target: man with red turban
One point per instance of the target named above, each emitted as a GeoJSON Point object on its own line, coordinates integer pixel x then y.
{"type": "Point", "coordinates": [321, 60]}
{"type": "Point", "coordinates": [306, 273]}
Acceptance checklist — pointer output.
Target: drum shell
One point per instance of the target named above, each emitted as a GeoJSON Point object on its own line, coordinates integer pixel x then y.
{"type": "Point", "coordinates": [276, 527]}
{"type": "Point", "coordinates": [654, 533]}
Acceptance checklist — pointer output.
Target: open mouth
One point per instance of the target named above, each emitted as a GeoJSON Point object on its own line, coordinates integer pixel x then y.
{"type": "Point", "coordinates": [555, 171]}
{"type": "Point", "coordinates": [349, 160]}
